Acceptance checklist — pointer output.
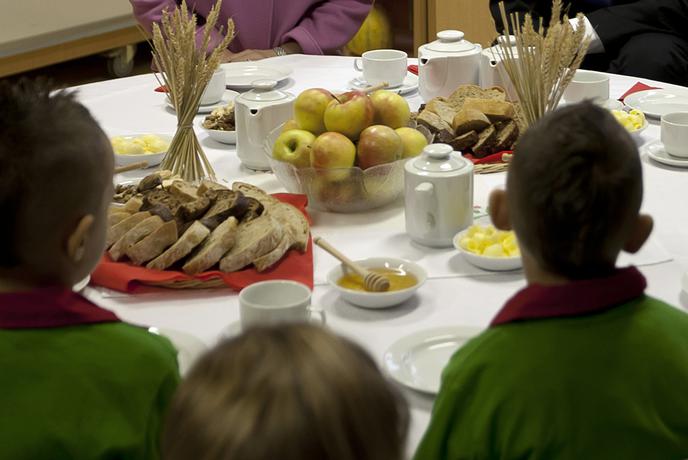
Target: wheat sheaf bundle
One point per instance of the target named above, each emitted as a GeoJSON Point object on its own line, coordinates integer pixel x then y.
{"type": "Point", "coordinates": [542, 62]}
{"type": "Point", "coordinates": [186, 70]}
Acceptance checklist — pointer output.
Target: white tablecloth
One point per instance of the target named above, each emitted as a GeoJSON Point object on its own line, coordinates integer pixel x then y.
{"type": "Point", "coordinates": [455, 294]}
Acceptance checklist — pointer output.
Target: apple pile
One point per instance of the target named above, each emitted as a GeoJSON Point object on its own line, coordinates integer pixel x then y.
{"type": "Point", "coordinates": [351, 129]}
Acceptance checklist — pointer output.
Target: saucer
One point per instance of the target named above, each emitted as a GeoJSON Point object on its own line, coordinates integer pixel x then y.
{"type": "Point", "coordinates": [657, 102]}
{"type": "Point", "coordinates": [410, 84]}
{"type": "Point", "coordinates": [655, 150]}
{"type": "Point", "coordinates": [227, 97]}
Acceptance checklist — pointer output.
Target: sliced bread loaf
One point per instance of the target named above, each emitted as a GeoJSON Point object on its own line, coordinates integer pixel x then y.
{"type": "Point", "coordinates": [467, 120]}
{"type": "Point", "coordinates": [154, 244]}
{"type": "Point", "coordinates": [486, 142]}
{"type": "Point", "coordinates": [118, 230]}
{"type": "Point", "coordinates": [494, 110]}
{"type": "Point", "coordinates": [213, 248]}
{"type": "Point", "coordinates": [191, 238]}
{"type": "Point", "coordinates": [295, 223]}
{"type": "Point", "coordinates": [266, 261]}
{"type": "Point", "coordinates": [465, 141]}
{"type": "Point", "coordinates": [133, 236]}
{"type": "Point", "coordinates": [253, 239]}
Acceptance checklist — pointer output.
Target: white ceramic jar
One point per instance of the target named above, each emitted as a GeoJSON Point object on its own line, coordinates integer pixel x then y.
{"type": "Point", "coordinates": [438, 195]}
{"type": "Point", "coordinates": [257, 113]}
{"type": "Point", "coordinates": [492, 70]}
{"type": "Point", "coordinates": [446, 63]}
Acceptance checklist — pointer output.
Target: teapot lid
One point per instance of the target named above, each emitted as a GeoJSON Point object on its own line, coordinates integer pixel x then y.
{"type": "Point", "coordinates": [264, 92]}
{"type": "Point", "coordinates": [451, 41]}
{"type": "Point", "coordinates": [438, 158]}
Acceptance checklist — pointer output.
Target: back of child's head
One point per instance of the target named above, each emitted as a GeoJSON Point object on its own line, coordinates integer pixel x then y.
{"type": "Point", "coordinates": [574, 189]}
{"type": "Point", "coordinates": [289, 392]}
{"type": "Point", "coordinates": [56, 166]}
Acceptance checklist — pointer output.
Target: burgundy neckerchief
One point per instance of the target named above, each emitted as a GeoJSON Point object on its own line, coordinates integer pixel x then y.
{"type": "Point", "coordinates": [49, 307]}
{"type": "Point", "coordinates": [577, 298]}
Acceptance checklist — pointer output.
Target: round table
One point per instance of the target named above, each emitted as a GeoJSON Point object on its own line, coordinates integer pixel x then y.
{"type": "Point", "coordinates": [454, 294]}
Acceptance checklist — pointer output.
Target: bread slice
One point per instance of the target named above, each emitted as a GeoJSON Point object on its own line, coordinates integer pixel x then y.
{"type": "Point", "coordinates": [443, 108]}
{"type": "Point", "coordinates": [253, 239]}
{"type": "Point", "coordinates": [254, 192]}
{"type": "Point", "coordinates": [436, 125]}
{"type": "Point", "coordinates": [160, 197]}
{"type": "Point", "coordinates": [493, 110]}
{"type": "Point", "coordinates": [226, 203]}
{"type": "Point", "coordinates": [133, 204]}
{"type": "Point", "coordinates": [117, 231]}
{"type": "Point", "coordinates": [183, 191]}
{"type": "Point", "coordinates": [191, 238]}
{"type": "Point", "coordinates": [507, 134]}
{"type": "Point", "coordinates": [116, 217]}
{"type": "Point", "coordinates": [133, 236]}
{"type": "Point", "coordinates": [469, 120]}
{"type": "Point", "coordinates": [254, 209]}
{"type": "Point", "coordinates": [465, 141]}
{"type": "Point", "coordinates": [192, 210]}
{"type": "Point", "coordinates": [486, 141]}
{"type": "Point", "coordinates": [295, 223]}
{"type": "Point", "coordinates": [213, 248]}
{"type": "Point", "coordinates": [207, 185]}
{"type": "Point", "coordinates": [460, 94]}
{"type": "Point", "coordinates": [154, 244]}
{"type": "Point", "coordinates": [266, 261]}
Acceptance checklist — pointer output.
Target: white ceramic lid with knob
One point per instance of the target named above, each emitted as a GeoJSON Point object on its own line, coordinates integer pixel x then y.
{"type": "Point", "coordinates": [263, 93]}
{"type": "Point", "coordinates": [437, 160]}
{"type": "Point", "coordinates": [452, 43]}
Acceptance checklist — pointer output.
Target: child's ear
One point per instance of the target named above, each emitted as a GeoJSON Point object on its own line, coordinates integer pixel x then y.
{"type": "Point", "coordinates": [76, 241]}
{"type": "Point", "coordinates": [642, 227]}
{"type": "Point", "coordinates": [499, 209]}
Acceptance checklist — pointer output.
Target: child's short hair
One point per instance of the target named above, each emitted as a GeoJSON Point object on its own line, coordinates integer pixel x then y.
{"type": "Point", "coordinates": [289, 392]}
{"type": "Point", "coordinates": [50, 160]}
{"type": "Point", "coordinates": [574, 186]}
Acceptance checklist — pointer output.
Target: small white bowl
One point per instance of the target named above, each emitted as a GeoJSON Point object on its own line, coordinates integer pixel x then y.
{"type": "Point", "coordinates": [379, 299]}
{"type": "Point", "coordinates": [224, 137]}
{"type": "Point", "coordinates": [495, 264]}
{"type": "Point", "coordinates": [153, 159]}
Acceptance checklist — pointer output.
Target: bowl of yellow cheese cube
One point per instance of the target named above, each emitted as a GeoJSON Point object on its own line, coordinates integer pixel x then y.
{"type": "Point", "coordinates": [632, 119]}
{"type": "Point", "coordinates": [150, 148]}
{"type": "Point", "coordinates": [488, 248]}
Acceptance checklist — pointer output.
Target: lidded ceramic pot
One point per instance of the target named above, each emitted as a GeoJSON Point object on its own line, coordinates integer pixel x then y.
{"type": "Point", "coordinates": [438, 195]}
{"type": "Point", "coordinates": [492, 70]}
{"type": "Point", "coordinates": [257, 113]}
{"type": "Point", "coordinates": [446, 63]}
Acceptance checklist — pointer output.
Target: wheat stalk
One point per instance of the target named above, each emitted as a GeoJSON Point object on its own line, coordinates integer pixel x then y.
{"type": "Point", "coordinates": [186, 69]}
{"type": "Point", "coordinates": [543, 61]}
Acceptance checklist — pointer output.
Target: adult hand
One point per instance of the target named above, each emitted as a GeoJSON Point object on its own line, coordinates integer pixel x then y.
{"type": "Point", "coordinates": [247, 55]}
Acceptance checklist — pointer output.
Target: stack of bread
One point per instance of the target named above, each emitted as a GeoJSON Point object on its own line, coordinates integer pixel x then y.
{"type": "Point", "coordinates": [165, 223]}
{"type": "Point", "coordinates": [472, 119]}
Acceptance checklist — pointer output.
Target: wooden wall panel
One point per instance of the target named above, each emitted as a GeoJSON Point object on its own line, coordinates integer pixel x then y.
{"type": "Point", "coordinates": [470, 16]}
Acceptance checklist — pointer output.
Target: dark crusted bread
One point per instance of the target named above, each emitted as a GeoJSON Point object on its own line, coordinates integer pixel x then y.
{"type": "Point", "coordinates": [156, 197]}
{"type": "Point", "coordinates": [435, 124]}
{"type": "Point", "coordinates": [254, 210]}
{"type": "Point", "coordinates": [507, 133]}
{"type": "Point", "coordinates": [486, 142]}
{"type": "Point", "coordinates": [192, 210]}
{"type": "Point", "coordinates": [465, 141]}
{"type": "Point", "coordinates": [467, 120]}
{"type": "Point", "coordinates": [226, 203]}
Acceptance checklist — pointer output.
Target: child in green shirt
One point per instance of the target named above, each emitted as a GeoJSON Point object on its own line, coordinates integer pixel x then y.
{"type": "Point", "coordinates": [75, 382]}
{"type": "Point", "coordinates": [580, 364]}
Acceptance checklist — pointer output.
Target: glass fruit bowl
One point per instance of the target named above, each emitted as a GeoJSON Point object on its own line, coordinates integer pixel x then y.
{"type": "Point", "coordinates": [343, 190]}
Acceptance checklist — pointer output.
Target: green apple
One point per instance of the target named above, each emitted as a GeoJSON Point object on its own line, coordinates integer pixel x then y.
{"type": "Point", "coordinates": [379, 144]}
{"type": "Point", "coordinates": [294, 146]}
{"type": "Point", "coordinates": [390, 109]}
{"type": "Point", "coordinates": [289, 125]}
{"type": "Point", "coordinates": [309, 109]}
{"type": "Point", "coordinates": [413, 140]}
{"type": "Point", "coordinates": [349, 114]}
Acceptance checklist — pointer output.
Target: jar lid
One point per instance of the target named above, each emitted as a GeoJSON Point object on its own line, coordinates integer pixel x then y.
{"type": "Point", "coordinates": [438, 158]}
{"type": "Point", "coordinates": [264, 91]}
{"type": "Point", "coordinates": [451, 41]}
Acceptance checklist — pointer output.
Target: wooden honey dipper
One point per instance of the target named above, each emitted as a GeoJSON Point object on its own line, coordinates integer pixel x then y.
{"type": "Point", "coordinates": [374, 282]}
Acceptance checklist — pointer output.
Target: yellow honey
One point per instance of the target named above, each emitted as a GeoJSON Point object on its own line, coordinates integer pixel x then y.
{"type": "Point", "coordinates": [398, 279]}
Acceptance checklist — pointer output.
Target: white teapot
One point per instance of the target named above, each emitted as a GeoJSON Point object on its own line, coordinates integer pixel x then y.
{"type": "Point", "coordinates": [438, 194]}
{"type": "Point", "coordinates": [446, 63]}
{"type": "Point", "coordinates": [257, 113]}
{"type": "Point", "coordinates": [492, 71]}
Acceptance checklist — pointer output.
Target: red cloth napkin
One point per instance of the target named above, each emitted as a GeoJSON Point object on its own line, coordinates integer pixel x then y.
{"type": "Point", "coordinates": [413, 69]}
{"type": "Point", "coordinates": [295, 266]}
{"type": "Point", "coordinates": [635, 88]}
{"type": "Point", "coordinates": [494, 158]}
{"type": "Point", "coordinates": [161, 89]}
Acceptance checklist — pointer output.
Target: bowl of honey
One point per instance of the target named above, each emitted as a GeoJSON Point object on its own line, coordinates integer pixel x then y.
{"type": "Point", "coordinates": [405, 277]}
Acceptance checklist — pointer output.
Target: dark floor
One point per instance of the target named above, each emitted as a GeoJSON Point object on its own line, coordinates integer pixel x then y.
{"type": "Point", "coordinates": [87, 69]}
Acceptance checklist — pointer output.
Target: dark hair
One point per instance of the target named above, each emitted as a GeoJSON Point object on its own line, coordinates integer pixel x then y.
{"type": "Point", "coordinates": [46, 140]}
{"type": "Point", "coordinates": [574, 185]}
{"type": "Point", "coordinates": [291, 392]}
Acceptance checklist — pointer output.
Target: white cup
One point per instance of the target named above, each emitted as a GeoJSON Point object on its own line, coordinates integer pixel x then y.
{"type": "Point", "coordinates": [674, 133]}
{"type": "Point", "coordinates": [380, 66]}
{"type": "Point", "coordinates": [277, 301]}
{"type": "Point", "coordinates": [587, 85]}
{"type": "Point", "coordinates": [215, 89]}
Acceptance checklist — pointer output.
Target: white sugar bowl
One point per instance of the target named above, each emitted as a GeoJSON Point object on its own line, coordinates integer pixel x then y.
{"type": "Point", "coordinates": [257, 113]}
{"type": "Point", "coordinates": [438, 195]}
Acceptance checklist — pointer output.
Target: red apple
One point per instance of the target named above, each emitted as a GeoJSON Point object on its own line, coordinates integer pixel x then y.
{"type": "Point", "coordinates": [294, 146]}
{"type": "Point", "coordinates": [349, 114]}
{"type": "Point", "coordinates": [289, 125]}
{"type": "Point", "coordinates": [390, 109]}
{"type": "Point", "coordinates": [332, 150]}
{"type": "Point", "coordinates": [309, 109]}
{"type": "Point", "coordinates": [379, 144]}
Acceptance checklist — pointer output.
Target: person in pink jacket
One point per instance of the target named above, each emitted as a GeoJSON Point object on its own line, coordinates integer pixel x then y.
{"type": "Point", "coordinates": [267, 28]}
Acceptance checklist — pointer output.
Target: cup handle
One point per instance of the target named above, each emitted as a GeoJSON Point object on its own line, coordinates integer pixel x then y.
{"type": "Point", "coordinates": [358, 64]}
{"type": "Point", "coordinates": [317, 316]}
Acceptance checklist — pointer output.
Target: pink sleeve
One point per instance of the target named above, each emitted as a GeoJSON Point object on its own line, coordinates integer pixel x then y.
{"type": "Point", "coordinates": [329, 26]}
{"type": "Point", "coordinates": [147, 12]}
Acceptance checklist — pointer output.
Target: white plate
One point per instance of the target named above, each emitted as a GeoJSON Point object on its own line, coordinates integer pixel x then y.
{"type": "Point", "coordinates": [417, 361]}
{"type": "Point", "coordinates": [658, 102]}
{"type": "Point", "coordinates": [410, 84]}
{"type": "Point", "coordinates": [227, 97]}
{"type": "Point", "coordinates": [242, 74]}
{"type": "Point", "coordinates": [655, 150]}
{"type": "Point", "coordinates": [224, 137]}
{"type": "Point", "coordinates": [153, 159]}
{"type": "Point", "coordinates": [189, 348]}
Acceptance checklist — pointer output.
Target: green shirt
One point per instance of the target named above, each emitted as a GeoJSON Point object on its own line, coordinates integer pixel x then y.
{"type": "Point", "coordinates": [611, 385]}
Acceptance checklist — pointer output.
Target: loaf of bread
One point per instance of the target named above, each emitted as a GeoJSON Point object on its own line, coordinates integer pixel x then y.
{"type": "Point", "coordinates": [467, 120]}
{"type": "Point", "coordinates": [465, 141]}
{"type": "Point", "coordinates": [494, 110]}
{"type": "Point", "coordinates": [154, 244]}
{"type": "Point", "coordinates": [213, 248]}
{"type": "Point", "coordinates": [486, 141]}
{"type": "Point", "coordinates": [133, 236]}
{"type": "Point", "coordinates": [253, 240]}
{"type": "Point", "coordinates": [117, 231]}
{"type": "Point", "coordinates": [191, 238]}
